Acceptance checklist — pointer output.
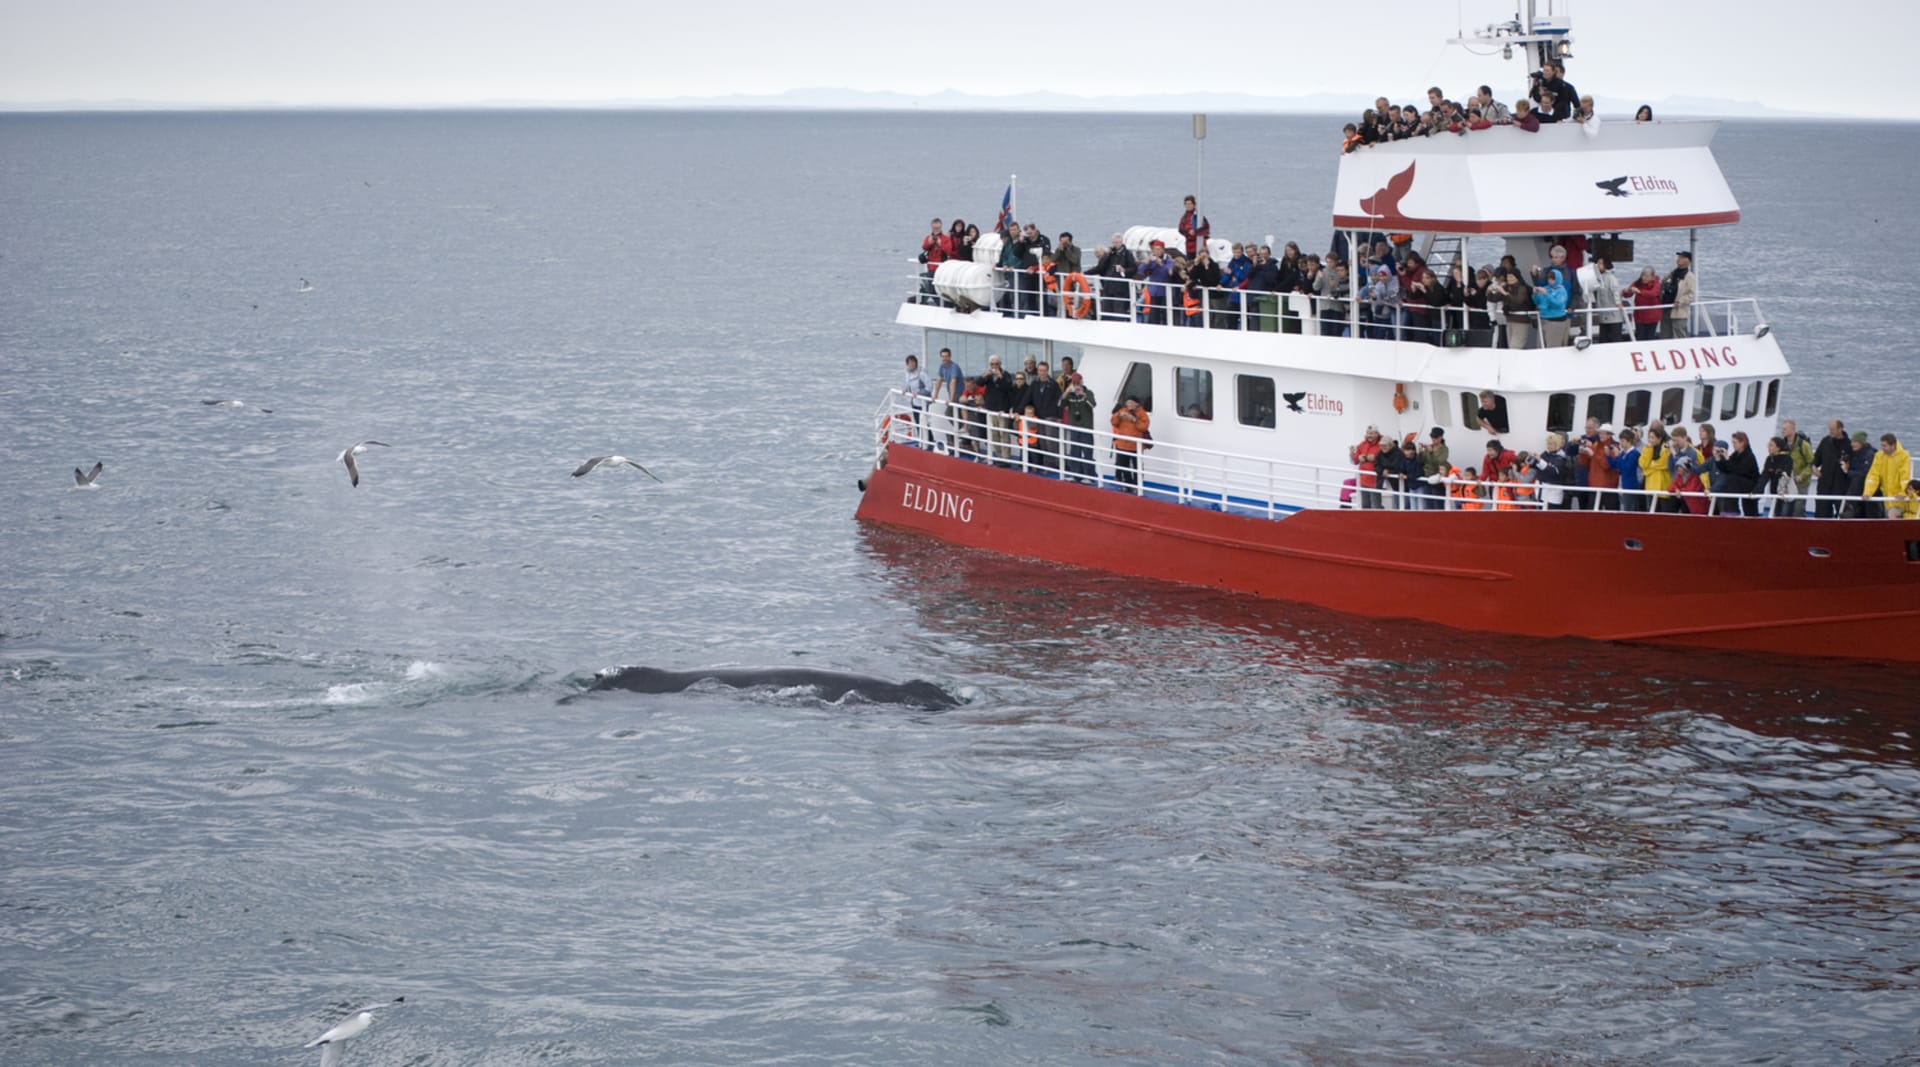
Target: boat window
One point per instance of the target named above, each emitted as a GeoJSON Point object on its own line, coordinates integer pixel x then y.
{"type": "Point", "coordinates": [1730, 401]}
{"type": "Point", "coordinates": [970, 350]}
{"type": "Point", "coordinates": [1057, 349]}
{"type": "Point", "coordinates": [1639, 402]}
{"type": "Point", "coordinates": [1496, 421]}
{"type": "Point", "coordinates": [1560, 413]}
{"type": "Point", "coordinates": [1773, 397]}
{"type": "Point", "coordinates": [1703, 403]}
{"type": "Point", "coordinates": [1193, 392]}
{"type": "Point", "coordinates": [1600, 406]}
{"type": "Point", "coordinates": [1673, 404]}
{"type": "Point", "coordinates": [1138, 383]}
{"type": "Point", "coordinates": [1753, 399]}
{"type": "Point", "coordinates": [1440, 408]}
{"type": "Point", "coordinates": [1253, 399]}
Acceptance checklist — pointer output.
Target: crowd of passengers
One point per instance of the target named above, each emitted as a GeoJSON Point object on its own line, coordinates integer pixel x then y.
{"type": "Point", "coordinates": [1034, 419]}
{"type": "Point", "coordinates": [1551, 98]}
{"type": "Point", "coordinates": [1030, 418]}
{"type": "Point", "coordinates": [1658, 468]}
{"type": "Point", "coordinates": [1400, 294]}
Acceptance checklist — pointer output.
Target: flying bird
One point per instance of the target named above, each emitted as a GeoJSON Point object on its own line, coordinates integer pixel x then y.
{"type": "Point", "coordinates": [333, 1043]}
{"type": "Point", "coordinates": [232, 404]}
{"type": "Point", "coordinates": [353, 469]}
{"type": "Point", "coordinates": [612, 461]}
{"type": "Point", "coordinates": [85, 479]}
{"type": "Point", "coordinates": [1293, 402]}
{"type": "Point", "coordinates": [305, 286]}
{"type": "Point", "coordinates": [1612, 185]}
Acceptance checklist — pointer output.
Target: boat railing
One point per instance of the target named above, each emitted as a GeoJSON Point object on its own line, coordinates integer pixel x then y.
{"type": "Point", "coordinates": [1165, 470]}
{"type": "Point", "coordinates": [1024, 294]}
{"type": "Point", "coordinates": [1274, 488]}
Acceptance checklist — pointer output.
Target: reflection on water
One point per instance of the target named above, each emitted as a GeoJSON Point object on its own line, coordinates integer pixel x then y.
{"type": "Point", "coordinates": [1597, 843]}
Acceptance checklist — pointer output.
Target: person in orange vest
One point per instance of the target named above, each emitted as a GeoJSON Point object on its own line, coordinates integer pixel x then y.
{"type": "Point", "coordinates": [1029, 431]}
{"type": "Point", "coordinates": [1130, 431]}
{"type": "Point", "coordinates": [1189, 293]}
{"type": "Point", "coordinates": [1366, 456]}
{"type": "Point", "coordinates": [1468, 493]}
{"type": "Point", "coordinates": [1049, 285]}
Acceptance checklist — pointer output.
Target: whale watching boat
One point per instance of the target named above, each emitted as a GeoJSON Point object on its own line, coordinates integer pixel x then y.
{"type": "Point", "coordinates": [1248, 483]}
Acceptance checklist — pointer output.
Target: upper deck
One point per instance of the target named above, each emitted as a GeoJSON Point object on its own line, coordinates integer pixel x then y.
{"type": "Point", "coordinates": [1566, 178]}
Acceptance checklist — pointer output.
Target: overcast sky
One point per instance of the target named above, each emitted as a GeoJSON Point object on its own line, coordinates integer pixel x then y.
{"type": "Point", "coordinates": [1844, 56]}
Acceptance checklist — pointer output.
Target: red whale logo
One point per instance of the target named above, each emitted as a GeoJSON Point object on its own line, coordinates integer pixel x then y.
{"type": "Point", "coordinates": [1385, 204]}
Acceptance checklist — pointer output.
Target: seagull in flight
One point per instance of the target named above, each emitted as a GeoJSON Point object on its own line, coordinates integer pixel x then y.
{"type": "Point", "coordinates": [85, 479]}
{"type": "Point", "coordinates": [333, 1043]}
{"type": "Point", "coordinates": [612, 461]}
{"type": "Point", "coordinates": [353, 469]}
{"type": "Point", "coordinates": [232, 404]}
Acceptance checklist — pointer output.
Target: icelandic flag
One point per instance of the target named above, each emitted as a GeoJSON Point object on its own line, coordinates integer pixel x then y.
{"type": "Point", "coordinates": [1006, 209]}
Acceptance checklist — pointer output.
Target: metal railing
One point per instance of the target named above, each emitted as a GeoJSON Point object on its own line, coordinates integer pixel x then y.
{"type": "Point", "coordinates": [1024, 293]}
{"type": "Point", "coordinates": [1274, 488]}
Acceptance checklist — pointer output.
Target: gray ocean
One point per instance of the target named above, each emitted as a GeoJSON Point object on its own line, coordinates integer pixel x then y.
{"type": "Point", "coordinates": [272, 747]}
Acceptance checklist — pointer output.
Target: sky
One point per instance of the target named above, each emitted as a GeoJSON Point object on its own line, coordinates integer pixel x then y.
{"type": "Point", "coordinates": [1787, 54]}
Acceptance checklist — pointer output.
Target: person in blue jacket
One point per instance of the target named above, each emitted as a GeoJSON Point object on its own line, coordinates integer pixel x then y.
{"type": "Point", "coordinates": [1551, 300]}
{"type": "Point", "coordinates": [1627, 462]}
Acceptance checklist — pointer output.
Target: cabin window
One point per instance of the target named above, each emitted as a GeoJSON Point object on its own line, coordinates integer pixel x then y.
{"type": "Point", "coordinates": [1639, 402]}
{"type": "Point", "coordinates": [1673, 404]}
{"type": "Point", "coordinates": [1253, 399]}
{"type": "Point", "coordinates": [1703, 403]}
{"type": "Point", "coordinates": [1193, 390]}
{"type": "Point", "coordinates": [1753, 399]}
{"type": "Point", "coordinates": [1730, 401]}
{"type": "Point", "coordinates": [970, 351]}
{"type": "Point", "coordinates": [1495, 422]}
{"type": "Point", "coordinates": [1600, 406]}
{"type": "Point", "coordinates": [1773, 397]}
{"type": "Point", "coordinates": [1560, 413]}
{"type": "Point", "coordinates": [1056, 350]}
{"type": "Point", "coordinates": [1138, 384]}
{"type": "Point", "coordinates": [1440, 407]}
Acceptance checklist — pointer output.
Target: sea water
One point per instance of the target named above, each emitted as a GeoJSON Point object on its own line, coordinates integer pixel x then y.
{"type": "Point", "coordinates": [272, 747]}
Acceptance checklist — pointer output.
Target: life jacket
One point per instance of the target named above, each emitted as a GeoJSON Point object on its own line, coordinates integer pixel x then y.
{"type": "Point", "coordinates": [1190, 302]}
{"type": "Point", "coordinates": [1467, 494]}
{"type": "Point", "coordinates": [1030, 431]}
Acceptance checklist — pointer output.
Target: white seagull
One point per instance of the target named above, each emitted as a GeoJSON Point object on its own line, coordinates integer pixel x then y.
{"type": "Point", "coordinates": [612, 461]}
{"type": "Point", "coordinates": [305, 286]}
{"type": "Point", "coordinates": [333, 1043]}
{"type": "Point", "coordinates": [231, 404]}
{"type": "Point", "coordinates": [85, 479]}
{"type": "Point", "coordinates": [353, 469]}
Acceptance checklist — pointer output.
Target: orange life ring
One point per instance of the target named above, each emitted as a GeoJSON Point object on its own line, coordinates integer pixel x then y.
{"type": "Point", "coordinates": [1079, 306]}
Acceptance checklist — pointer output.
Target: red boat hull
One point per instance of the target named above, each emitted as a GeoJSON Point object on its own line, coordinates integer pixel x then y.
{"type": "Point", "coordinates": [1800, 587]}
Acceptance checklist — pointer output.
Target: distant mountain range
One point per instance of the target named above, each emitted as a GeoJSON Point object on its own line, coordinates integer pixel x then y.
{"type": "Point", "coordinates": [947, 100]}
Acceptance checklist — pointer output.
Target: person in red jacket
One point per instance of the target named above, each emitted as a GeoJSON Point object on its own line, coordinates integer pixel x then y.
{"type": "Point", "coordinates": [935, 248]}
{"type": "Point", "coordinates": [1193, 226]}
{"type": "Point", "coordinates": [1366, 456]}
{"type": "Point", "coordinates": [1602, 479]}
{"type": "Point", "coordinates": [1644, 295]}
{"type": "Point", "coordinates": [1497, 464]}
